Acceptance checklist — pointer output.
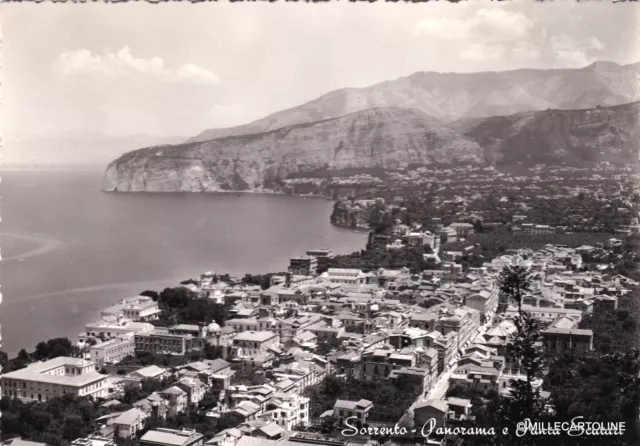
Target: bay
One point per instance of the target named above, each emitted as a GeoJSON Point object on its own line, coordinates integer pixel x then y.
{"type": "Point", "coordinates": [69, 249]}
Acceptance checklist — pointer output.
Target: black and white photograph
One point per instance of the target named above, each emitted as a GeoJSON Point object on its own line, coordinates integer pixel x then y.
{"type": "Point", "coordinates": [332, 223]}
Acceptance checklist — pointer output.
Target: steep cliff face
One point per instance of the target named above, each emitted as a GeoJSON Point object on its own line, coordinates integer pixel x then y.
{"type": "Point", "coordinates": [452, 96]}
{"type": "Point", "coordinates": [387, 137]}
{"type": "Point", "coordinates": [576, 137]}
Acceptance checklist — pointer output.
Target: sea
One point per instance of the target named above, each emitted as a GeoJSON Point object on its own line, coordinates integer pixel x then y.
{"type": "Point", "coordinates": [69, 249]}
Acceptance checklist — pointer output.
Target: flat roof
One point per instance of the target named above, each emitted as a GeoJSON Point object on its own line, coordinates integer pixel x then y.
{"type": "Point", "coordinates": [256, 336]}
{"type": "Point", "coordinates": [175, 438]}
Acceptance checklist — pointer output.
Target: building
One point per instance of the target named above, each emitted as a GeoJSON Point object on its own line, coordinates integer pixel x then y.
{"type": "Point", "coordinates": [358, 411]}
{"type": "Point", "coordinates": [447, 347]}
{"type": "Point", "coordinates": [138, 308]}
{"type": "Point", "coordinates": [252, 343]}
{"type": "Point", "coordinates": [248, 324]}
{"type": "Point", "coordinates": [485, 301]}
{"type": "Point", "coordinates": [482, 374]}
{"type": "Point", "coordinates": [149, 372]}
{"type": "Point", "coordinates": [462, 229]}
{"type": "Point", "coordinates": [59, 376]}
{"type": "Point", "coordinates": [172, 437]}
{"type": "Point", "coordinates": [303, 265]}
{"type": "Point", "coordinates": [93, 441]}
{"type": "Point", "coordinates": [324, 257]}
{"type": "Point", "coordinates": [172, 341]}
{"type": "Point", "coordinates": [153, 405]}
{"type": "Point", "coordinates": [424, 239]}
{"type": "Point", "coordinates": [464, 321]}
{"type": "Point", "coordinates": [347, 276]}
{"type": "Point", "coordinates": [559, 340]}
{"type": "Point", "coordinates": [288, 411]}
{"type": "Point", "coordinates": [105, 330]}
{"type": "Point", "coordinates": [545, 314]}
{"type": "Point", "coordinates": [530, 228]}
{"type": "Point", "coordinates": [420, 376]}
{"type": "Point", "coordinates": [129, 423]}
{"type": "Point", "coordinates": [113, 351]}
{"type": "Point", "coordinates": [604, 303]}
{"type": "Point", "coordinates": [177, 400]}
{"type": "Point", "coordinates": [194, 387]}
{"type": "Point", "coordinates": [428, 410]}
{"type": "Point", "coordinates": [21, 442]}
{"type": "Point", "coordinates": [143, 309]}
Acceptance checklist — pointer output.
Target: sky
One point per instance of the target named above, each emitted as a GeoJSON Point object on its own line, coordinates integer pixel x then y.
{"type": "Point", "coordinates": [177, 69]}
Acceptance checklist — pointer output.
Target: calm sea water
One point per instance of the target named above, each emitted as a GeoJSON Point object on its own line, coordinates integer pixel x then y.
{"type": "Point", "coordinates": [69, 249]}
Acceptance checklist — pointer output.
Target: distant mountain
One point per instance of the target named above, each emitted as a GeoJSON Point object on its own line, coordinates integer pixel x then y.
{"type": "Point", "coordinates": [452, 96]}
{"type": "Point", "coordinates": [82, 149]}
{"type": "Point", "coordinates": [575, 137]}
{"type": "Point", "coordinates": [388, 137]}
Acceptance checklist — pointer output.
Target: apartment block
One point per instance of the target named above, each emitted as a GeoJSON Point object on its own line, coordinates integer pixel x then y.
{"type": "Point", "coordinates": [45, 380]}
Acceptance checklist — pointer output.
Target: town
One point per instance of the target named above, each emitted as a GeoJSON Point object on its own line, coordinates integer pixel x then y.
{"type": "Point", "coordinates": [296, 358]}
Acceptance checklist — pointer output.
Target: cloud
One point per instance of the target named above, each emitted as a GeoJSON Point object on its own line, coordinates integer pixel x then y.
{"type": "Point", "coordinates": [192, 74]}
{"type": "Point", "coordinates": [526, 51]}
{"type": "Point", "coordinates": [570, 53]}
{"type": "Point", "coordinates": [595, 44]}
{"type": "Point", "coordinates": [124, 65]}
{"type": "Point", "coordinates": [491, 25]}
{"type": "Point", "coordinates": [483, 52]}
{"type": "Point", "coordinates": [442, 28]}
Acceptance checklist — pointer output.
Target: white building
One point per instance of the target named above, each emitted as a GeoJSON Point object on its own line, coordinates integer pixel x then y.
{"type": "Point", "coordinates": [59, 376]}
{"type": "Point", "coordinates": [138, 308]}
{"type": "Point", "coordinates": [288, 411]}
{"type": "Point", "coordinates": [108, 330]}
{"type": "Point", "coordinates": [113, 351]}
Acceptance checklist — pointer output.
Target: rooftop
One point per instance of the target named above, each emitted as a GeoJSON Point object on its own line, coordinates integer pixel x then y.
{"type": "Point", "coordinates": [352, 405]}
{"type": "Point", "coordinates": [170, 437]}
{"type": "Point", "coordinates": [37, 372]}
{"type": "Point", "coordinates": [255, 336]}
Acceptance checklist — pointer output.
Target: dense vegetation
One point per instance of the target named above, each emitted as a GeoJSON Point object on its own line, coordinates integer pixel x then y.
{"type": "Point", "coordinates": [56, 422]}
{"type": "Point", "coordinates": [182, 306]}
{"type": "Point", "coordinates": [390, 400]}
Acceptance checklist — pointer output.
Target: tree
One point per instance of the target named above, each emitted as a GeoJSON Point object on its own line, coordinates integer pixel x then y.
{"type": "Point", "coordinates": [524, 350]}
{"type": "Point", "coordinates": [514, 283]}
{"type": "Point", "coordinates": [152, 294]}
{"type": "Point", "coordinates": [23, 355]}
{"type": "Point", "coordinates": [230, 419]}
{"type": "Point", "coordinates": [54, 348]}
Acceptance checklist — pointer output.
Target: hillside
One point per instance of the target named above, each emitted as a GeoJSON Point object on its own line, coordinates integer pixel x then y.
{"type": "Point", "coordinates": [388, 137]}
{"type": "Point", "coordinates": [574, 137]}
{"type": "Point", "coordinates": [452, 96]}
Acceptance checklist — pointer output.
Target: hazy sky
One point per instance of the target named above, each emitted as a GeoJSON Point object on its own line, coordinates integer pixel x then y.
{"type": "Point", "coordinates": [177, 69]}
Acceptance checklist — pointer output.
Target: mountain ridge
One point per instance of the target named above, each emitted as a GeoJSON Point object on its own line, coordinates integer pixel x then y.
{"type": "Point", "coordinates": [388, 138]}
{"type": "Point", "coordinates": [451, 96]}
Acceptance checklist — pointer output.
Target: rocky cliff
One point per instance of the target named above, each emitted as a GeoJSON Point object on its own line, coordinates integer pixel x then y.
{"type": "Point", "coordinates": [575, 137]}
{"type": "Point", "coordinates": [388, 138]}
{"type": "Point", "coordinates": [452, 96]}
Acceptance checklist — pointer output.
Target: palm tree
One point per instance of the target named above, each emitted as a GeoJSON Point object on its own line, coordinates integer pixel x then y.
{"type": "Point", "coordinates": [515, 282]}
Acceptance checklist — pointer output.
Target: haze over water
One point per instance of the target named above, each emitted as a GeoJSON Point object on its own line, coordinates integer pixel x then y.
{"type": "Point", "coordinates": [69, 249]}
